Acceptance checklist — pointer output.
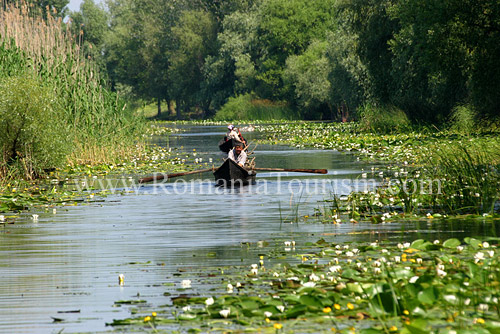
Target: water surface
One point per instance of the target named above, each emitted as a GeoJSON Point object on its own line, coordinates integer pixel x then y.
{"type": "Point", "coordinates": [70, 261]}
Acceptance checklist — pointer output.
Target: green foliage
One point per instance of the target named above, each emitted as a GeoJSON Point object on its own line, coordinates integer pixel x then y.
{"type": "Point", "coordinates": [286, 28]}
{"type": "Point", "coordinates": [244, 107]}
{"type": "Point", "coordinates": [308, 75]}
{"type": "Point", "coordinates": [383, 119]}
{"type": "Point", "coordinates": [472, 177]}
{"type": "Point", "coordinates": [33, 131]}
{"type": "Point", "coordinates": [91, 25]}
{"type": "Point", "coordinates": [463, 119]}
{"type": "Point", "coordinates": [95, 119]}
{"type": "Point", "coordinates": [194, 35]}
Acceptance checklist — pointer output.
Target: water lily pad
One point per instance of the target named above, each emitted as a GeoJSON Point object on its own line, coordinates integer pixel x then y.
{"type": "Point", "coordinates": [451, 243]}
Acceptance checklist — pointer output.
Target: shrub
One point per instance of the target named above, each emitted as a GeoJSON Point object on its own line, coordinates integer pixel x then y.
{"type": "Point", "coordinates": [245, 107]}
{"type": "Point", "coordinates": [463, 119]}
{"type": "Point", "coordinates": [383, 119]}
{"type": "Point", "coordinates": [33, 134]}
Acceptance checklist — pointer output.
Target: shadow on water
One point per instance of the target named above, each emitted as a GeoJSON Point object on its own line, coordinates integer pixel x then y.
{"type": "Point", "coordinates": [70, 261]}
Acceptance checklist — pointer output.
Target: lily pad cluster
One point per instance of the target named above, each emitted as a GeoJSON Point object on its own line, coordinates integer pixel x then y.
{"type": "Point", "coordinates": [411, 288]}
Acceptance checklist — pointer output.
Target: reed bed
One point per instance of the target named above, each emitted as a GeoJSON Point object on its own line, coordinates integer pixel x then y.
{"type": "Point", "coordinates": [102, 128]}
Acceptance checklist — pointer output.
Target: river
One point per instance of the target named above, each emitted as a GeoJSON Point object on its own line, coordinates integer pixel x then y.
{"type": "Point", "coordinates": [65, 265]}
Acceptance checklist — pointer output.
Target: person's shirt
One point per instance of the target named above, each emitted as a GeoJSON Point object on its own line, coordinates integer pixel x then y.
{"type": "Point", "coordinates": [232, 135]}
{"type": "Point", "coordinates": [240, 159]}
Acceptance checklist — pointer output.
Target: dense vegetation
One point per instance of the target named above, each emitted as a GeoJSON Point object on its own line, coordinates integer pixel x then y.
{"type": "Point", "coordinates": [427, 60]}
{"type": "Point", "coordinates": [54, 104]}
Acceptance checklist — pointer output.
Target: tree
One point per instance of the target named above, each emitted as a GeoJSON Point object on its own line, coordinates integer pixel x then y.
{"type": "Point", "coordinates": [137, 46]}
{"type": "Point", "coordinates": [308, 73]}
{"type": "Point", "coordinates": [91, 25]}
{"type": "Point", "coordinates": [231, 70]}
{"type": "Point", "coordinates": [194, 36]}
{"type": "Point", "coordinates": [287, 28]}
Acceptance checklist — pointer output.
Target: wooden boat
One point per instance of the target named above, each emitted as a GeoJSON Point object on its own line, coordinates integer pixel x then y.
{"type": "Point", "coordinates": [230, 174]}
{"type": "Point", "coordinates": [227, 145]}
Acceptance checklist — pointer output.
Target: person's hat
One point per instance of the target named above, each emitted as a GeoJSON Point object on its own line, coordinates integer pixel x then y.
{"type": "Point", "coordinates": [240, 144]}
{"type": "Point", "coordinates": [230, 126]}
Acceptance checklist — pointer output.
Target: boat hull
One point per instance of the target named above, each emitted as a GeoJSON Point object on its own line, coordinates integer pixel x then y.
{"type": "Point", "coordinates": [230, 174]}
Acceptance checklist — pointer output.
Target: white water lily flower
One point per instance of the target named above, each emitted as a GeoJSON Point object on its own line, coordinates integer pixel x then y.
{"type": "Point", "coordinates": [276, 274]}
{"type": "Point", "coordinates": [440, 267]}
{"type": "Point", "coordinates": [406, 245]}
{"type": "Point", "coordinates": [377, 270]}
{"type": "Point", "coordinates": [229, 288]}
{"type": "Point", "coordinates": [186, 308]}
{"type": "Point", "coordinates": [336, 269]}
{"type": "Point", "coordinates": [441, 273]}
{"type": "Point", "coordinates": [314, 277]}
{"type": "Point", "coordinates": [419, 260]}
{"type": "Point", "coordinates": [349, 254]}
{"type": "Point", "coordinates": [281, 308]}
{"type": "Point", "coordinates": [413, 279]}
{"type": "Point", "coordinates": [377, 264]}
{"type": "Point", "coordinates": [186, 283]}
{"type": "Point", "coordinates": [2, 218]}
{"type": "Point", "coordinates": [209, 301]}
{"type": "Point", "coordinates": [355, 251]}
{"type": "Point", "coordinates": [309, 284]}
{"type": "Point", "coordinates": [478, 257]}
{"type": "Point", "coordinates": [225, 313]}
{"type": "Point", "coordinates": [254, 266]}
{"type": "Point", "coordinates": [238, 284]}
{"type": "Point", "coordinates": [491, 253]}
{"type": "Point", "coordinates": [486, 244]}
{"type": "Point", "coordinates": [460, 248]}
{"type": "Point", "coordinates": [436, 242]}
{"type": "Point", "coordinates": [483, 307]}
{"type": "Point", "coordinates": [346, 246]}
{"type": "Point", "coordinates": [397, 259]}
{"type": "Point", "coordinates": [34, 217]}
{"type": "Point", "coordinates": [268, 314]}
{"type": "Point", "coordinates": [400, 245]}
{"type": "Point", "coordinates": [254, 271]}
{"type": "Point", "coordinates": [288, 243]}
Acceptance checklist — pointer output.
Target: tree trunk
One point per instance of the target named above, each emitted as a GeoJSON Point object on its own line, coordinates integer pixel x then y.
{"type": "Point", "coordinates": [159, 108]}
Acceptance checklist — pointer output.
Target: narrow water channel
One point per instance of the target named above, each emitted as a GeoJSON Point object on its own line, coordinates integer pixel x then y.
{"type": "Point", "coordinates": [66, 264]}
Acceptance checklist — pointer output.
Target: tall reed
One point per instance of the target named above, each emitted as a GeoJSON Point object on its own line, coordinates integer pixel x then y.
{"type": "Point", "coordinates": [96, 117]}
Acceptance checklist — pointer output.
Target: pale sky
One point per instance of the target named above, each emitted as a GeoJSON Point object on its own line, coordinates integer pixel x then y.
{"type": "Point", "coordinates": [74, 5]}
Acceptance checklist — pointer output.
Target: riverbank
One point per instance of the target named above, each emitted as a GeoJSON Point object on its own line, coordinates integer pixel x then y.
{"type": "Point", "coordinates": [428, 173]}
{"type": "Point", "coordinates": [74, 183]}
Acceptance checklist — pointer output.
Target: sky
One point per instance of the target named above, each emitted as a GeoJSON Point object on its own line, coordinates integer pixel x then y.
{"type": "Point", "coordinates": [74, 5]}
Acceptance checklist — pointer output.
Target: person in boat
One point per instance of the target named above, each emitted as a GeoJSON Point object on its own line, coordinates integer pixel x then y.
{"type": "Point", "coordinates": [232, 133]}
{"type": "Point", "coordinates": [238, 154]}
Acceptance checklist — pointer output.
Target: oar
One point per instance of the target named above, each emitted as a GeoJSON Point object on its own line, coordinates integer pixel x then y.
{"type": "Point", "coordinates": [169, 176]}
{"type": "Point", "coordinates": [299, 170]}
